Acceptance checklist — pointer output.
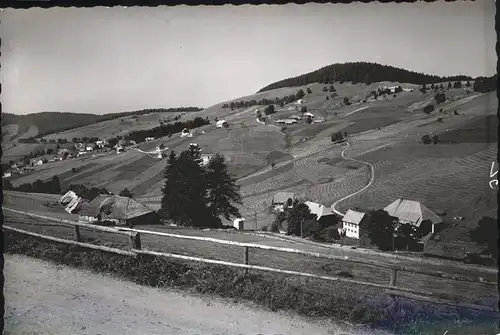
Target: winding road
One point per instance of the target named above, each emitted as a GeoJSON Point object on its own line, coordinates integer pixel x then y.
{"type": "Point", "coordinates": [372, 177]}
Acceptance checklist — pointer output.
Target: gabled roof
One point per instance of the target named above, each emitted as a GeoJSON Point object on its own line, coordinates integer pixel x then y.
{"type": "Point", "coordinates": [319, 209]}
{"type": "Point", "coordinates": [115, 207]}
{"type": "Point", "coordinates": [353, 217]}
{"type": "Point", "coordinates": [282, 197]}
{"type": "Point", "coordinates": [412, 211]}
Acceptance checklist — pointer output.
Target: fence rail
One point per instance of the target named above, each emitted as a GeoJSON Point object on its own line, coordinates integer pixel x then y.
{"type": "Point", "coordinates": [389, 289]}
{"type": "Point", "coordinates": [393, 268]}
{"type": "Point", "coordinates": [134, 237]}
{"type": "Point", "coordinates": [135, 241]}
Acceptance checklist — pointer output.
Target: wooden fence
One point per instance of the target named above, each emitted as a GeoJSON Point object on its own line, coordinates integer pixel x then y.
{"type": "Point", "coordinates": [136, 249]}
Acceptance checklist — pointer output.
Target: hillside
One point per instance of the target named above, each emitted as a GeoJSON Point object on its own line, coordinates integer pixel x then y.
{"type": "Point", "coordinates": [385, 131]}
{"type": "Point", "coordinates": [41, 124]}
{"type": "Point", "coordinates": [361, 72]}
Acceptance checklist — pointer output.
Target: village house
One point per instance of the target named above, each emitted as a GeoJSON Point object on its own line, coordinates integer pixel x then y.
{"type": "Point", "coordinates": [308, 114]}
{"type": "Point", "coordinates": [117, 209]}
{"type": "Point", "coordinates": [414, 213]}
{"type": "Point", "coordinates": [323, 213]}
{"type": "Point", "coordinates": [222, 123]}
{"type": "Point", "coordinates": [286, 121]}
{"type": "Point", "coordinates": [280, 199]}
{"type": "Point", "coordinates": [148, 139]}
{"type": "Point", "coordinates": [352, 222]}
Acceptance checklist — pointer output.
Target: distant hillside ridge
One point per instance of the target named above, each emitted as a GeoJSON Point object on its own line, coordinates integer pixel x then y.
{"type": "Point", "coordinates": [361, 72]}
{"type": "Point", "coordinates": [53, 122]}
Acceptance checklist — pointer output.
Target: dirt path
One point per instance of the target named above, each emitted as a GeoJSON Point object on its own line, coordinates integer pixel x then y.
{"type": "Point", "coordinates": [43, 298]}
{"type": "Point", "coordinates": [372, 177]}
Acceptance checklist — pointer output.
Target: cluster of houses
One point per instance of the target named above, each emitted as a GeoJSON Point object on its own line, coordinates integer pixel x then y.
{"type": "Point", "coordinates": [296, 118]}
{"type": "Point", "coordinates": [403, 210]}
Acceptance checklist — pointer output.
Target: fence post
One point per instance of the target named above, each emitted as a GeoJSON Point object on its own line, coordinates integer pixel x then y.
{"type": "Point", "coordinates": [78, 237]}
{"type": "Point", "coordinates": [394, 273]}
{"type": "Point", "coordinates": [136, 241]}
{"type": "Point", "coordinates": [246, 258]}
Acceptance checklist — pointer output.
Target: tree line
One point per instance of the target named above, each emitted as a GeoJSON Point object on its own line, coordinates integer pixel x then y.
{"type": "Point", "coordinates": [360, 72]}
{"type": "Point", "coordinates": [165, 129]}
{"type": "Point", "coordinates": [197, 195]}
{"type": "Point", "coordinates": [278, 101]}
{"type": "Point", "coordinates": [106, 117]}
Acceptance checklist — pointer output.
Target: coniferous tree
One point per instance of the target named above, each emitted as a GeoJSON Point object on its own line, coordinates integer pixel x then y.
{"type": "Point", "coordinates": [194, 188]}
{"type": "Point", "coordinates": [126, 193]}
{"type": "Point", "coordinates": [222, 190]}
{"type": "Point", "coordinates": [171, 202]}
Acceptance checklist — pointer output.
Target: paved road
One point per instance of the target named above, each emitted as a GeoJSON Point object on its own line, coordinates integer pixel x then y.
{"type": "Point", "coordinates": [43, 298]}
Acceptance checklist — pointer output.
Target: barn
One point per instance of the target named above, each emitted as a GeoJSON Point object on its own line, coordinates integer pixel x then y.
{"type": "Point", "coordinates": [414, 213]}
{"type": "Point", "coordinates": [117, 209]}
{"type": "Point", "coordinates": [323, 213]}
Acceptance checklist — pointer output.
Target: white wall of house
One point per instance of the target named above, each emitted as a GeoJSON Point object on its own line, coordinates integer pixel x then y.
{"type": "Point", "coordinates": [85, 218]}
{"type": "Point", "coordinates": [351, 229]}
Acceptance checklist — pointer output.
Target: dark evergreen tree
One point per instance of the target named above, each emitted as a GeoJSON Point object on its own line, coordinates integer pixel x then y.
{"type": "Point", "coordinates": [222, 190]}
{"type": "Point", "coordinates": [486, 234]}
{"type": "Point", "coordinates": [126, 193]}
{"type": "Point", "coordinates": [173, 192]}
{"type": "Point", "coordinates": [380, 227]}
{"type": "Point", "coordinates": [449, 85]}
{"type": "Point", "coordinates": [309, 91]}
{"type": "Point", "coordinates": [407, 236]}
{"type": "Point", "coordinates": [300, 94]}
{"type": "Point", "coordinates": [54, 186]}
{"type": "Point", "coordinates": [195, 188]}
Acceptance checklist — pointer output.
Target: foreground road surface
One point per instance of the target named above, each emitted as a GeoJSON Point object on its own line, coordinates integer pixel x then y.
{"type": "Point", "coordinates": [43, 298]}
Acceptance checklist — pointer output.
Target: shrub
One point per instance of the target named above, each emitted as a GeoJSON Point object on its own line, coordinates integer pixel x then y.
{"type": "Point", "coordinates": [426, 139]}
{"type": "Point", "coordinates": [309, 90]}
{"type": "Point", "coordinates": [325, 89]}
{"type": "Point", "coordinates": [274, 227]}
{"type": "Point", "coordinates": [435, 139]}
{"type": "Point", "coordinates": [439, 119]}
{"type": "Point", "coordinates": [440, 98]}
{"type": "Point", "coordinates": [335, 137]}
{"type": "Point", "coordinates": [428, 109]}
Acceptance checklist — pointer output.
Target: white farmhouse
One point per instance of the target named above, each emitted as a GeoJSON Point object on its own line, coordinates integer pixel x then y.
{"type": "Point", "coordinates": [238, 223]}
{"type": "Point", "coordinates": [222, 123]}
{"type": "Point", "coordinates": [351, 223]}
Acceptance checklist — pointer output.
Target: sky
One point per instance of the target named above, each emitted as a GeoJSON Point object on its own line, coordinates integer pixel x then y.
{"type": "Point", "coordinates": [105, 60]}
